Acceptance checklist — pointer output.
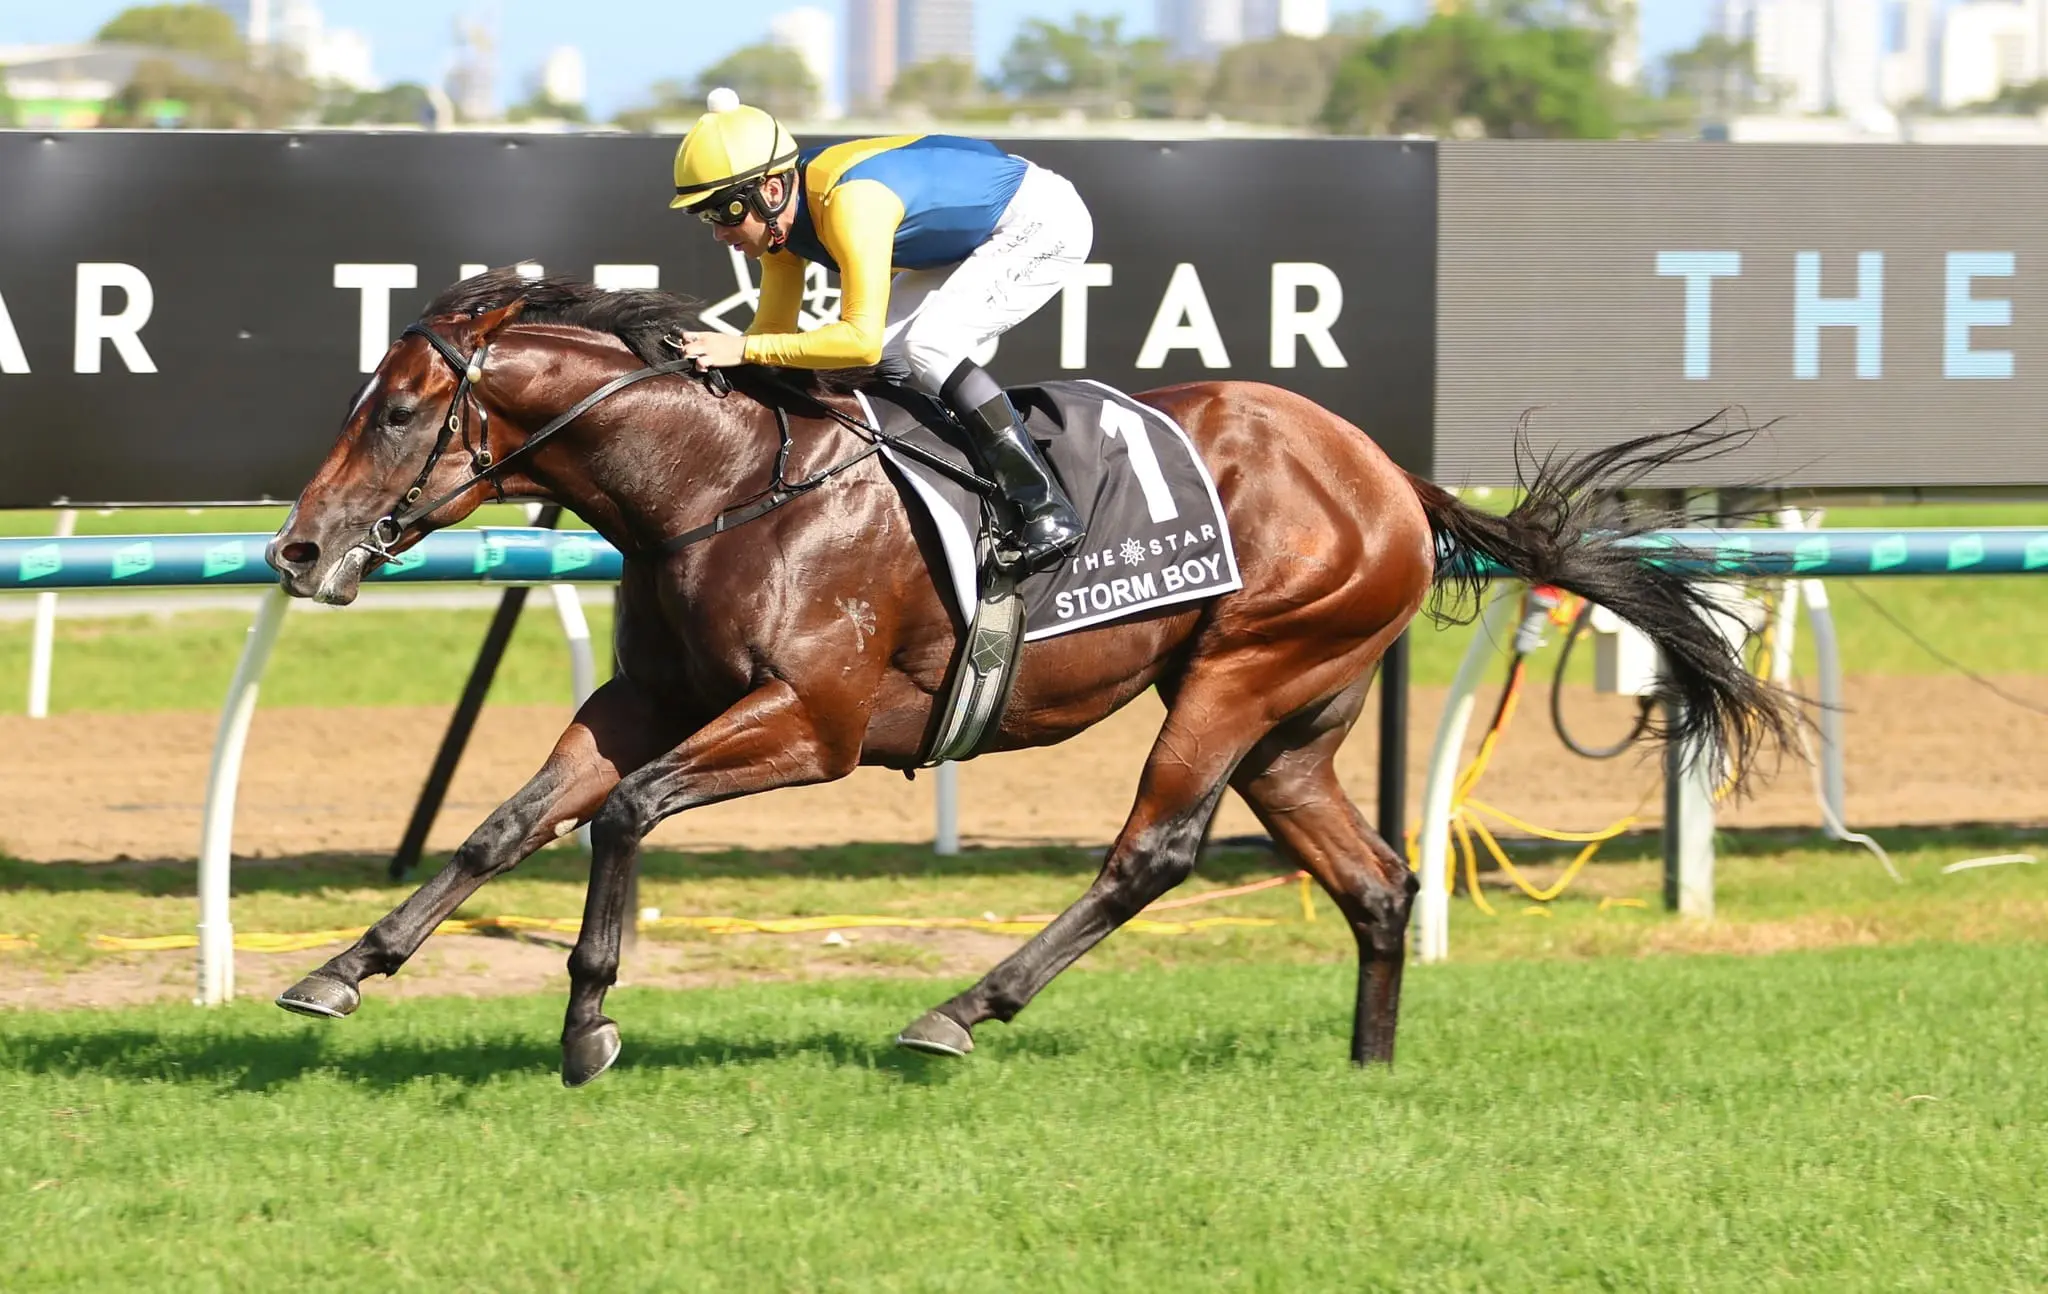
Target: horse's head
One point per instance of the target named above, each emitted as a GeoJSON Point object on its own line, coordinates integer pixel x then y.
{"type": "Point", "coordinates": [403, 464]}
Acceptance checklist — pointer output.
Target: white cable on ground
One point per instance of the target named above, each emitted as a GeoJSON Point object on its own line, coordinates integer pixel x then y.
{"type": "Point", "coordinates": [1828, 815]}
{"type": "Point", "coordinates": [1992, 860]}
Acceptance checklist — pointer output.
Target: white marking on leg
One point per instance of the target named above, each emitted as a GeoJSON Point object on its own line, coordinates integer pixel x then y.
{"type": "Point", "coordinates": [564, 827]}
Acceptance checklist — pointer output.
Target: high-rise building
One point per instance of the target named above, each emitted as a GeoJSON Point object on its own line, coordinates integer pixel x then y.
{"type": "Point", "coordinates": [870, 51]}
{"type": "Point", "coordinates": [1865, 59]}
{"type": "Point", "coordinates": [1305, 18]}
{"type": "Point", "coordinates": [809, 31]}
{"type": "Point", "coordinates": [1909, 59]}
{"type": "Point", "coordinates": [339, 56]}
{"type": "Point", "coordinates": [1987, 45]}
{"type": "Point", "coordinates": [1625, 59]}
{"type": "Point", "coordinates": [933, 29]}
{"type": "Point", "coordinates": [1855, 59]}
{"type": "Point", "coordinates": [252, 18]}
{"type": "Point", "coordinates": [563, 78]}
{"type": "Point", "coordinates": [1789, 49]}
{"type": "Point", "coordinates": [333, 55]}
{"type": "Point", "coordinates": [1200, 29]}
{"type": "Point", "coordinates": [473, 83]}
{"type": "Point", "coordinates": [1265, 19]}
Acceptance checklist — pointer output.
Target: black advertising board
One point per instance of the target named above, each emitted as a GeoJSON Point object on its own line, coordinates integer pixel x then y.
{"type": "Point", "coordinates": [186, 314]}
{"type": "Point", "coordinates": [183, 315]}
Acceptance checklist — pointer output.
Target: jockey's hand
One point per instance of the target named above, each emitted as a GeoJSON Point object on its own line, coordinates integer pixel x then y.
{"type": "Point", "coordinates": [715, 349]}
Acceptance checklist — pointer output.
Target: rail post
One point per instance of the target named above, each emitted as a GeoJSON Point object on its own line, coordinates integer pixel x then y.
{"type": "Point", "coordinates": [223, 776]}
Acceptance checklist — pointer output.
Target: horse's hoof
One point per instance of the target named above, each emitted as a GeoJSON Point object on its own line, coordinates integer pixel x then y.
{"type": "Point", "coordinates": [590, 1054]}
{"type": "Point", "coordinates": [321, 995]}
{"type": "Point", "coordinates": [937, 1033]}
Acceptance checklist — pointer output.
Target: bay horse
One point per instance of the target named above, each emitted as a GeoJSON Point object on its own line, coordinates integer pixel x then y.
{"type": "Point", "coordinates": [803, 632]}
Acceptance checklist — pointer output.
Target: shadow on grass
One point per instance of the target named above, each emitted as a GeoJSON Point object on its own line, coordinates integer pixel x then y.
{"type": "Point", "coordinates": [245, 1062]}
{"type": "Point", "coordinates": [1225, 861]}
{"type": "Point", "coordinates": [267, 1061]}
{"type": "Point", "coordinates": [1234, 860]}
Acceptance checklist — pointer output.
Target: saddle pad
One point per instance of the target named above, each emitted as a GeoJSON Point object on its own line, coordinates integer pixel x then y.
{"type": "Point", "coordinates": [1156, 531]}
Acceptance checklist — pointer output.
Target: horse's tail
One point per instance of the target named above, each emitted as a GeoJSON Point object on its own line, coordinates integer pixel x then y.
{"type": "Point", "coordinates": [1724, 711]}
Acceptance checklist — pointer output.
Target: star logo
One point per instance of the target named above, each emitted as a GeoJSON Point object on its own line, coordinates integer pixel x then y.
{"type": "Point", "coordinates": [820, 302]}
{"type": "Point", "coordinates": [1134, 553]}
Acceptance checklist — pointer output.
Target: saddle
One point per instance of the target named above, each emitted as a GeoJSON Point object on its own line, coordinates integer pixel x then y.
{"type": "Point", "coordinates": [1156, 532]}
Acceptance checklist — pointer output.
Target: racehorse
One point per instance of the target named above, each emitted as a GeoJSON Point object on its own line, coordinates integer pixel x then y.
{"type": "Point", "coordinates": [780, 621]}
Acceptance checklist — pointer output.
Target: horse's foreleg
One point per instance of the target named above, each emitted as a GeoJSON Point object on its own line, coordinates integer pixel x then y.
{"type": "Point", "coordinates": [767, 740]}
{"type": "Point", "coordinates": [1183, 778]}
{"type": "Point", "coordinates": [616, 731]}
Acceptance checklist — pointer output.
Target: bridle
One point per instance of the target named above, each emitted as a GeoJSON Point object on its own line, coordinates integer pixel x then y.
{"type": "Point", "coordinates": [388, 529]}
{"type": "Point", "coordinates": [386, 532]}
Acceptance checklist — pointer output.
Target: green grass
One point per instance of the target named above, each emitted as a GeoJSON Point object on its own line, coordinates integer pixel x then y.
{"type": "Point", "coordinates": [365, 657]}
{"type": "Point", "coordinates": [1582, 1100]}
{"type": "Point", "coordinates": [1772, 889]}
{"type": "Point", "coordinates": [322, 658]}
{"type": "Point", "coordinates": [1853, 1119]}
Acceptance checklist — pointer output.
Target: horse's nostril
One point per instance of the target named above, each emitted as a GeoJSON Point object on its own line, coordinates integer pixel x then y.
{"type": "Point", "coordinates": [301, 553]}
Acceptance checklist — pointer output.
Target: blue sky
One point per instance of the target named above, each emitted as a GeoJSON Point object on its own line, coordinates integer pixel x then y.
{"type": "Point", "coordinates": [628, 45]}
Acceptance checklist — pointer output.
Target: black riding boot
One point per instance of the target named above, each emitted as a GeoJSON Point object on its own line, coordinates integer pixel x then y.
{"type": "Point", "coordinates": [1044, 528]}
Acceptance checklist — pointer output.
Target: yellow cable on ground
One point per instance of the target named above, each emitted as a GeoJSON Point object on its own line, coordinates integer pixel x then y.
{"type": "Point", "coordinates": [1465, 809]}
{"type": "Point", "coordinates": [1465, 820]}
{"type": "Point", "coordinates": [9, 943]}
{"type": "Point", "coordinates": [1459, 824]}
{"type": "Point", "coordinates": [300, 941]}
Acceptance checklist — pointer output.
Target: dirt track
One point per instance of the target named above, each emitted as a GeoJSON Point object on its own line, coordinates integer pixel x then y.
{"type": "Point", "coordinates": [92, 787]}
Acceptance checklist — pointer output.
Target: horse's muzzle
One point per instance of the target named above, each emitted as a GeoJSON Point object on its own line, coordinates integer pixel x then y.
{"type": "Point", "coordinates": [307, 570]}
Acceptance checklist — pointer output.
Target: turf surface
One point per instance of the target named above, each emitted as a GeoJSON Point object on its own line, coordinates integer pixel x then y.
{"type": "Point", "coordinates": [1857, 1118]}
{"type": "Point", "coordinates": [1772, 890]}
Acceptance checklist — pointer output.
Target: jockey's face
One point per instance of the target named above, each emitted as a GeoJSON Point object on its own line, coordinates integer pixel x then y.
{"type": "Point", "coordinates": [750, 236]}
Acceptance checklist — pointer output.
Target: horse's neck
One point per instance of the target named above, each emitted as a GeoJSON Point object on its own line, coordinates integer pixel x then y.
{"type": "Point", "coordinates": [656, 458]}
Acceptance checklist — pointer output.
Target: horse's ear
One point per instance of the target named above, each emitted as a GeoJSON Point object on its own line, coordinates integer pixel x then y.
{"type": "Point", "coordinates": [488, 323]}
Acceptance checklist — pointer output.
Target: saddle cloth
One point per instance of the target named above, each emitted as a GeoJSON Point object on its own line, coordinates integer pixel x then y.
{"type": "Point", "coordinates": [1156, 531]}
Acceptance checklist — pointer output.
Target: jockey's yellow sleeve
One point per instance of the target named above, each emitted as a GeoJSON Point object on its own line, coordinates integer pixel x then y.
{"type": "Point", "coordinates": [857, 223]}
{"type": "Point", "coordinates": [867, 208]}
{"type": "Point", "coordinates": [782, 295]}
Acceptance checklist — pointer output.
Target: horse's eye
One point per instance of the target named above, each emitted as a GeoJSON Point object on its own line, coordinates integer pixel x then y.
{"type": "Point", "coordinates": [398, 415]}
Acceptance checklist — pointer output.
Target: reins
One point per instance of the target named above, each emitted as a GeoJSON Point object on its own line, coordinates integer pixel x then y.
{"type": "Point", "coordinates": [388, 530]}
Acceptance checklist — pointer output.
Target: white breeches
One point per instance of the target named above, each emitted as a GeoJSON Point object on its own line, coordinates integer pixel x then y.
{"type": "Point", "coordinates": [940, 316]}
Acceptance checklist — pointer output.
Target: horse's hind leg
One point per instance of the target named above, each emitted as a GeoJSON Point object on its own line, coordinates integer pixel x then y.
{"type": "Point", "coordinates": [1211, 723]}
{"type": "Point", "coordinates": [615, 732]}
{"type": "Point", "coordinates": [1290, 781]}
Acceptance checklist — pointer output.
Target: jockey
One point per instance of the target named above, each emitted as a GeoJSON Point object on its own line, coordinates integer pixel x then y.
{"type": "Point", "coordinates": [976, 240]}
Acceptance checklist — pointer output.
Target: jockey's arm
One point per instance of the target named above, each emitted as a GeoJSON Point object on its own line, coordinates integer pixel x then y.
{"type": "Point", "coordinates": [782, 293]}
{"type": "Point", "coordinates": [857, 223]}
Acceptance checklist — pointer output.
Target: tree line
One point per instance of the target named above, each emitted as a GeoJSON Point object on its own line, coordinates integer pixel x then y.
{"type": "Point", "coordinates": [203, 75]}
{"type": "Point", "coordinates": [1495, 68]}
{"type": "Point", "coordinates": [1518, 68]}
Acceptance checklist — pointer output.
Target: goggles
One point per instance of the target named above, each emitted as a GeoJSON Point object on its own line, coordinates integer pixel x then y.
{"type": "Point", "coordinates": [727, 207]}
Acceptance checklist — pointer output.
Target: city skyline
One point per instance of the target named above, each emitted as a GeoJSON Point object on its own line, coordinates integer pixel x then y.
{"type": "Point", "coordinates": [1865, 59]}
{"type": "Point", "coordinates": [626, 48]}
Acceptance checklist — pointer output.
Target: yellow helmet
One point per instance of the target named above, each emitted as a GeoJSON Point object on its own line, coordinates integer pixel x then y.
{"type": "Point", "coordinates": [730, 144]}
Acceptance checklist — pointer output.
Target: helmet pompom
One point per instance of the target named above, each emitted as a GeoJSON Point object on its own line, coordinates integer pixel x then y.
{"type": "Point", "coordinates": [722, 100]}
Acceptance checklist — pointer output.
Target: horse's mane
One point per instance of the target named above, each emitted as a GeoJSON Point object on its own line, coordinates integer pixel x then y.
{"type": "Point", "coordinates": [642, 318]}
